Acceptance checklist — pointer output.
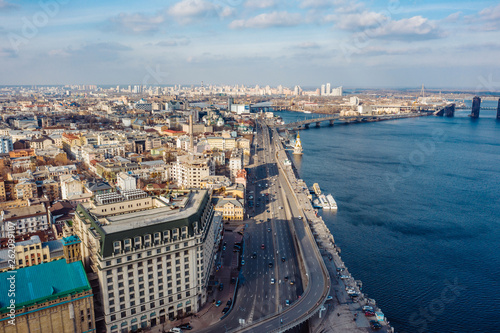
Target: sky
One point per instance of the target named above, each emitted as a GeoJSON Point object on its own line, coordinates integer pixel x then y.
{"type": "Point", "coordinates": [356, 44]}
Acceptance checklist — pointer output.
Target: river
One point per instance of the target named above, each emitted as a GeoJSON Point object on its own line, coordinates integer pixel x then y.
{"type": "Point", "coordinates": [419, 214]}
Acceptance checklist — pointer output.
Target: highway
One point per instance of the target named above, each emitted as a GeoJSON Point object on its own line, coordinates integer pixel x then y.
{"type": "Point", "coordinates": [261, 306]}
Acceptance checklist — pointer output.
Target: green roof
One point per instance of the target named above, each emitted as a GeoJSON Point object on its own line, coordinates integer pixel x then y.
{"type": "Point", "coordinates": [43, 282]}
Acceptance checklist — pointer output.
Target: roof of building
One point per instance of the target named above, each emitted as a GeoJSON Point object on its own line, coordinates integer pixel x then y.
{"type": "Point", "coordinates": [129, 225]}
{"type": "Point", "coordinates": [15, 213]}
{"type": "Point", "coordinates": [44, 282]}
{"type": "Point", "coordinates": [234, 202]}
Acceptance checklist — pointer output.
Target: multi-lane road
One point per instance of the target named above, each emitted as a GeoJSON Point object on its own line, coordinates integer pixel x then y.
{"type": "Point", "coordinates": [263, 304]}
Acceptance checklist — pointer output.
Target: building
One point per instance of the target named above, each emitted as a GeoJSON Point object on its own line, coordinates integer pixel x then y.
{"type": "Point", "coordinates": [34, 252]}
{"type": "Point", "coordinates": [6, 144]}
{"type": "Point", "coordinates": [51, 189]}
{"type": "Point", "coordinates": [71, 186]}
{"type": "Point", "coordinates": [124, 181]}
{"type": "Point", "coordinates": [24, 220]}
{"type": "Point", "coordinates": [24, 189]}
{"type": "Point", "coordinates": [231, 209]}
{"type": "Point", "coordinates": [53, 297]}
{"type": "Point", "coordinates": [189, 170]}
{"type": "Point", "coordinates": [235, 163]}
{"type": "Point", "coordinates": [153, 262]}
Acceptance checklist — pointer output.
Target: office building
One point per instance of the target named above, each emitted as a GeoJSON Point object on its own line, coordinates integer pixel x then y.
{"type": "Point", "coordinates": [152, 255]}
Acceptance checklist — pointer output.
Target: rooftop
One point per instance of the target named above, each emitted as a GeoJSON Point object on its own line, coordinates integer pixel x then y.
{"type": "Point", "coordinates": [15, 213]}
{"type": "Point", "coordinates": [44, 282]}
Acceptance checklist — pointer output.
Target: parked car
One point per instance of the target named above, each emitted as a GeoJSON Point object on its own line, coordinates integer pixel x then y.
{"type": "Point", "coordinates": [287, 302]}
{"type": "Point", "coordinates": [186, 327]}
{"type": "Point", "coordinates": [218, 303]}
{"type": "Point", "coordinates": [221, 286]}
{"type": "Point", "coordinates": [242, 262]}
{"type": "Point", "coordinates": [225, 310]}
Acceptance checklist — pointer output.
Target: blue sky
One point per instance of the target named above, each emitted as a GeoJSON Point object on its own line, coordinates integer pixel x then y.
{"type": "Point", "coordinates": [356, 44]}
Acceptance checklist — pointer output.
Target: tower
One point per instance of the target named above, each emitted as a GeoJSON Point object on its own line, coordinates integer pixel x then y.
{"type": "Point", "coordinates": [297, 149]}
{"type": "Point", "coordinates": [476, 107]}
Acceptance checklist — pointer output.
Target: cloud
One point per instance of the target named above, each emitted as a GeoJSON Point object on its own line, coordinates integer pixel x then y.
{"type": "Point", "coordinates": [7, 53]}
{"type": "Point", "coordinates": [4, 5]}
{"type": "Point", "coordinates": [137, 23]}
{"type": "Point", "coordinates": [308, 45]}
{"type": "Point", "coordinates": [379, 50]}
{"type": "Point", "coordinates": [173, 42]}
{"type": "Point", "coordinates": [453, 17]}
{"type": "Point", "coordinates": [413, 28]}
{"type": "Point", "coordinates": [491, 18]}
{"type": "Point", "coordinates": [104, 51]}
{"type": "Point", "coordinates": [357, 21]}
{"type": "Point", "coordinates": [261, 4]}
{"type": "Point", "coordinates": [267, 20]}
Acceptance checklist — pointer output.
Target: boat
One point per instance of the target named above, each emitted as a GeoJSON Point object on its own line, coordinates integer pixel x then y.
{"type": "Point", "coordinates": [316, 189]}
{"type": "Point", "coordinates": [306, 111]}
{"type": "Point", "coordinates": [332, 204]}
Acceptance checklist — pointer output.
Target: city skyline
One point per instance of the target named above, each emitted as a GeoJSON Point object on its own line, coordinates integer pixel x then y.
{"type": "Point", "coordinates": [354, 44]}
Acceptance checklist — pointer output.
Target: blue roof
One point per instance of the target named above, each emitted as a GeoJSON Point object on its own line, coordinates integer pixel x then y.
{"type": "Point", "coordinates": [43, 282]}
{"type": "Point", "coordinates": [73, 239]}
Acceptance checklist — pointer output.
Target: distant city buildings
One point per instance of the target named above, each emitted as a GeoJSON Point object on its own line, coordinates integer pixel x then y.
{"type": "Point", "coordinates": [328, 91]}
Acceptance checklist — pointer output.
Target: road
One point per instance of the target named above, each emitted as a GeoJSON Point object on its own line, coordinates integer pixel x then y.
{"type": "Point", "coordinates": [261, 306]}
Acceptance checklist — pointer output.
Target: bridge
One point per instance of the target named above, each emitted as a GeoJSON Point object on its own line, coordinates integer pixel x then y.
{"type": "Point", "coordinates": [303, 124]}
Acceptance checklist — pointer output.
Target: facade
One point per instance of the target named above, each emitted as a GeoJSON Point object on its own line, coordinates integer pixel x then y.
{"type": "Point", "coordinates": [190, 169]}
{"type": "Point", "coordinates": [231, 209]}
{"type": "Point", "coordinates": [70, 186]}
{"type": "Point", "coordinates": [124, 181]}
{"type": "Point", "coordinates": [153, 262]}
{"type": "Point", "coordinates": [235, 163]}
{"type": "Point", "coordinates": [24, 220]}
{"type": "Point", "coordinates": [51, 189]}
{"type": "Point", "coordinates": [6, 144]}
{"type": "Point", "coordinates": [24, 189]}
{"type": "Point", "coordinates": [60, 299]}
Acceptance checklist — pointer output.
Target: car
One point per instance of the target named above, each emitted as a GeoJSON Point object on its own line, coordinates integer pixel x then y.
{"type": "Point", "coordinates": [300, 217]}
{"type": "Point", "coordinates": [286, 278]}
{"type": "Point", "coordinates": [272, 281]}
{"type": "Point", "coordinates": [270, 264]}
{"type": "Point", "coordinates": [292, 282]}
{"type": "Point", "coordinates": [254, 255]}
{"type": "Point", "coordinates": [280, 207]}
{"type": "Point", "coordinates": [375, 325]}
{"type": "Point", "coordinates": [369, 314]}
{"type": "Point", "coordinates": [233, 280]}
{"type": "Point", "coordinates": [175, 330]}
{"type": "Point", "coordinates": [218, 303]}
{"type": "Point", "coordinates": [224, 248]}
{"type": "Point", "coordinates": [329, 298]}
{"type": "Point", "coordinates": [368, 308]}
{"type": "Point", "coordinates": [283, 259]}
{"type": "Point", "coordinates": [229, 302]}
{"type": "Point", "coordinates": [268, 211]}
{"type": "Point", "coordinates": [287, 302]}
{"type": "Point", "coordinates": [221, 286]}
{"type": "Point", "coordinates": [268, 229]}
{"type": "Point", "coordinates": [262, 246]}
{"type": "Point", "coordinates": [242, 262]}
{"type": "Point", "coordinates": [186, 327]}
{"type": "Point", "coordinates": [225, 310]}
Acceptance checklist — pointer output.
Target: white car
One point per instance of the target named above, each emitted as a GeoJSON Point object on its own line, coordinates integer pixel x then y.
{"type": "Point", "coordinates": [272, 280]}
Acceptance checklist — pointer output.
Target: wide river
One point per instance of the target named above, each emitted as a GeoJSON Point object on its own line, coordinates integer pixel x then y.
{"type": "Point", "coordinates": [419, 214]}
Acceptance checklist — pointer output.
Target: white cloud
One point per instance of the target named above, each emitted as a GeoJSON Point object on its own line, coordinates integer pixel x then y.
{"type": "Point", "coordinates": [187, 10]}
{"type": "Point", "coordinates": [260, 3]}
{"type": "Point", "coordinates": [357, 21]}
{"type": "Point", "coordinates": [137, 23]}
{"type": "Point", "coordinates": [174, 42]}
{"type": "Point", "coordinates": [491, 18]}
{"type": "Point", "coordinates": [308, 45]}
{"type": "Point", "coordinates": [4, 5]}
{"type": "Point", "coordinates": [267, 20]}
{"type": "Point", "coordinates": [413, 28]}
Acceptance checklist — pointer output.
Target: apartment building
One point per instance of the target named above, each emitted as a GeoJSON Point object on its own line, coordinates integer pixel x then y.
{"type": "Point", "coordinates": [24, 220]}
{"type": "Point", "coordinates": [152, 256]}
{"type": "Point", "coordinates": [189, 170]}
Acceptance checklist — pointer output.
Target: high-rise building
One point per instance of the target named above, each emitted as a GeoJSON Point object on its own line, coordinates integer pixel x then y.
{"type": "Point", "coordinates": [152, 256]}
{"type": "Point", "coordinates": [323, 90]}
{"type": "Point", "coordinates": [476, 107]}
{"type": "Point", "coordinates": [328, 89]}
